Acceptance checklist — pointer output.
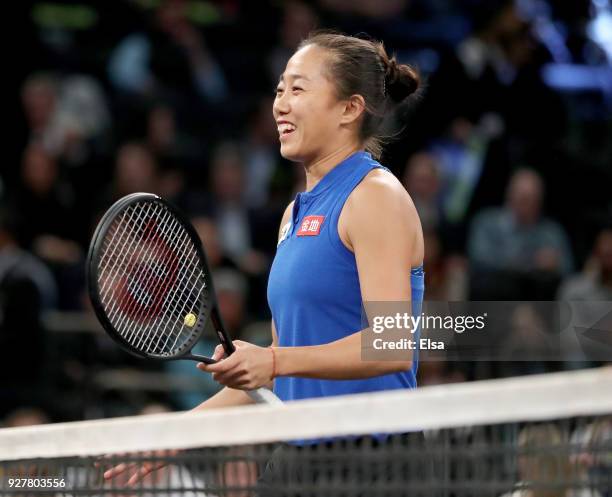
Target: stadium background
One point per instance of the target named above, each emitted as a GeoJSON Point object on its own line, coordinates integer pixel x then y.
{"type": "Point", "coordinates": [175, 97]}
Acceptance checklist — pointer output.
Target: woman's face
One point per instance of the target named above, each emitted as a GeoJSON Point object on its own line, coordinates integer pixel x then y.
{"type": "Point", "coordinates": [306, 109]}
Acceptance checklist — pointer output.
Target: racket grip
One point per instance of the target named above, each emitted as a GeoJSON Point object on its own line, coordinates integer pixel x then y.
{"type": "Point", "coordinates": [264, 396]}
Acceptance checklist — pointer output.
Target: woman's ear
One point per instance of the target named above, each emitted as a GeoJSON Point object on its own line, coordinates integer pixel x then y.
{"type": "Point", "coordinates": [353, 108]}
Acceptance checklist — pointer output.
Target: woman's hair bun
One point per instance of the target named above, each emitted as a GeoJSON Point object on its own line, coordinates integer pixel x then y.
{"type": "Point", "coordinates": [401, 80]}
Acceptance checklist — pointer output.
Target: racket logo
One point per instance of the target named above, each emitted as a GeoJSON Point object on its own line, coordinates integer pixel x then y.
{"type": "Point", "coordinates": [311, 226]}
{"type": "Point", "coordinates": [149, 277]}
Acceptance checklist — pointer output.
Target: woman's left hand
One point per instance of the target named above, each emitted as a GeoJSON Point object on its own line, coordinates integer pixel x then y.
{"type": "Point", "coordinates": [248, 368]}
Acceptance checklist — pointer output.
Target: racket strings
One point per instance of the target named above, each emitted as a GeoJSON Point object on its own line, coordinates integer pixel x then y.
{"type": "Point", "coordinates": [130, 311]}
{"type": "Point", "coordinates": [138, 341]}
{"type": "Point", "coordinates": [189, 302]}
{"type": "Point", "coordinates": [125, 269]}
{"type": "Point", "coordinates": [154, 286]}
{"type": "Point", "coordinates": [117, 239]}
{"type": "Point", "coordinates": [150, 278]}
{"type": "Point", "coordinates": [133, 333]}
{"type": "Point", "coordinates": [114, 268]}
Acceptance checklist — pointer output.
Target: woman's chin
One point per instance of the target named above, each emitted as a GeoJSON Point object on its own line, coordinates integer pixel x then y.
{"type": "Point", "coordinates": [288, 152]}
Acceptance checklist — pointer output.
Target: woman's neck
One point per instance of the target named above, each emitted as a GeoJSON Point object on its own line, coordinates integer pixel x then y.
{"type": "Point", "coordinates": [319, 167]}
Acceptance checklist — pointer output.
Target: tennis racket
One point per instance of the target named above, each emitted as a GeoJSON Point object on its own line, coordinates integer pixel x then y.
{"type": "Point", "coordinates": [150, 284]}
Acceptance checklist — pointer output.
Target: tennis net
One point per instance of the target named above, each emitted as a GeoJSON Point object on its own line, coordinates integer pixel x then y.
{"type": "Point", "coordinates": [547, 435]}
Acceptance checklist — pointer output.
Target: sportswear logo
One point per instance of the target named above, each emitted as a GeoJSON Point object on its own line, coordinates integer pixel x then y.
{"type": "Point", "coordinates": [311, 226]}
{"type": "Point", "coordinates": [284, 233]}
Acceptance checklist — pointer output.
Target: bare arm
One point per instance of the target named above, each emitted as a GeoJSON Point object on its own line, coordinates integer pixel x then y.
{"type": "Point", "coordinates": [231, 396]}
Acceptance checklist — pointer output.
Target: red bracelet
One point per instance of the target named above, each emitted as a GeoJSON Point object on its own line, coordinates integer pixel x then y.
{"type": "Point", "coordinates": [273, 363]}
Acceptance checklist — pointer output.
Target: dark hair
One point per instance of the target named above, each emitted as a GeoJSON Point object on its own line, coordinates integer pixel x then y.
{"type": "Point", "coordinates": [362, 67]}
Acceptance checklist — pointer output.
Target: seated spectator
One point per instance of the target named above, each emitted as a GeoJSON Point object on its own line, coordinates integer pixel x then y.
{"type": "Point", "coordinates": [135, 171]}
{"type": "Point", "coordinates": [298, 20]}
{"type": "Point", "coordinates": [593, 463]}
{"type": "Point", "coordinates": [544, 466]}
{"type": "Point", "coordinates": [516, 241]}
{"type": "Point", "coordinates": [170, 145]}
{"type": "Point", "coordinates": [209, 234]}
{"type": "Point", "coordinates": [39, 97]}
{"type": "Point", "coordinates": [27, 288]}
{"type": "Point", "coordinates": [44, 205]}
{"type": "Point", "coordinates": [68, 116]}
{"type": "Point", "coordinates": [589, 294]}
{"type": "Point", "coordinates": [445, 275]}
{"type": "Point", "coordinates": [260, 151]}
{"type": "Point", "coordinates": [422, 181]}
{"type": "Point", "coordinates": [16, 263]}
{"type": "Point", "coordinates": [234, 220]}
{"type": "Point", "coordinates": [595, 282]}
{"type": "Point", "coordinates": [231, 288]}
{"type": "Point", "coordinates": [171, 58]}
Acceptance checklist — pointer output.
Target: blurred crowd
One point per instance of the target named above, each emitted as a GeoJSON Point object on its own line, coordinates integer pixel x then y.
{"type": "Point", "coordinates": [506, 154]}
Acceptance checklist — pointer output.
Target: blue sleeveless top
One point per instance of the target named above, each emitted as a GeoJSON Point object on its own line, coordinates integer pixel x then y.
{"type": "Point", "coordinates": [313, 288]}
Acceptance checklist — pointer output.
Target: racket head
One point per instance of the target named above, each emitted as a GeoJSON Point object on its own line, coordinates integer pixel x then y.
{"type": "Point", "coordinates": [137, 275]}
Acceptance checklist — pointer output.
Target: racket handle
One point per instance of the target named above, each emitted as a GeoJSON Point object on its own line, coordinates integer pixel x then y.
{"type": "Point", "coordinates": [264, 396]}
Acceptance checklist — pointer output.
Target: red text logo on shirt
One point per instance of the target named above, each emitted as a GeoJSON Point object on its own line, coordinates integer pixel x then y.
{"type": "Point", "coordinates": [311, 226]}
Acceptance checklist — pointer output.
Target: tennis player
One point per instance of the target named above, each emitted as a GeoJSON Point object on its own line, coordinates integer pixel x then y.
{"type": "Point", "coordinates": [354, 235]}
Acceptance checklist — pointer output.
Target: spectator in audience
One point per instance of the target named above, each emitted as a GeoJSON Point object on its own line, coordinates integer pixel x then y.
{"type": "Point", "coordinates": [517, 237]}
{"type": "Point", "coordinates": [588, 294]}
{"type": "Point", "coordinates": [495, 70]}
{"type": "Point", "coordinates": [135, 170]}
{"type": "Point", "coordinates": [39, 97]}
{"type": "Point", "coordinates": [170, 59]}
{"type": "Point", "coordinates": [17, 264]}
{"type": "Point", "coordinates": [209, 234]}
{"type": "Point", "coordinates": [422, 180]}
{"type": "Point", "coordinates": [27, 288]}
{"type": "Point", "coordinates": [66, 115]}
{"type": "Point", "coordinates": [233, 219]}
{"type": "Point", "coordinates": [446, 277]}
{"type": "Point", "coordinates": [167, 142]}
{"type": "Point", "coordinates": [544, 467]}
{"type": "Point", "coordinates": [45, 206]}
{"type": "Point", "coordinates": [260, 155]}
{"type": "Point", "coordinates": [595, 282]}
{"type": "Point", "coordinates": [231, 289]}
{"type": "Point", "coordinates": [298, 20]}
{"type": "Point", "coordinates": [592, 462]}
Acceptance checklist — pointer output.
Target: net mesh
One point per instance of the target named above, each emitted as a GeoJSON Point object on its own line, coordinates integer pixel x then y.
{"type": "Point", "coordinates": [557, 442]}
{"type": "Point", "coordinates": [150, 279]}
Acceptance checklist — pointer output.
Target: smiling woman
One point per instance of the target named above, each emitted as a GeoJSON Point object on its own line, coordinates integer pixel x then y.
{"type": "Point", "coordinates": [326, 72]}
{"type": "Point", "coordinates": [352, 236]}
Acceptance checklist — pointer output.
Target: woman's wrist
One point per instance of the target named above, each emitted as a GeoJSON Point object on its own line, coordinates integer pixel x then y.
{"type": "Point", "coordinates": [274, 373]}
{"type": "Point", "coordinates": [289, 361]}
